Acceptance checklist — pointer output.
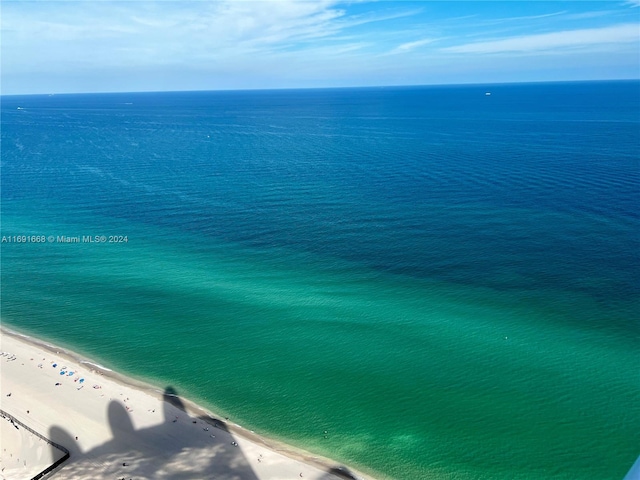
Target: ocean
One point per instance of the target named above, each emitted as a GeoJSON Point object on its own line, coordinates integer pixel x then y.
{"type": "Point", "coordinates": [445, 282]}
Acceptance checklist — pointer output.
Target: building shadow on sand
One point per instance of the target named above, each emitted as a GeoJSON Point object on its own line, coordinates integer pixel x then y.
{"type": "Point", "coordinates": [206, 449]}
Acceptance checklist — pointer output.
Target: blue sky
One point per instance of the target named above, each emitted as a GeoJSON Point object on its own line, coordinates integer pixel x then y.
{"type": "Point", "coordinates": [103, 46]}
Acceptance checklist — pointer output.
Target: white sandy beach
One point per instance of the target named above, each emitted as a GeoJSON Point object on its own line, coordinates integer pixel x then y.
{"type": "Point", "coordinates": [114, 430]}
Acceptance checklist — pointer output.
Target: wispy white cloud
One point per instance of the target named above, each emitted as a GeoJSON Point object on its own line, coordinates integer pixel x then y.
{"type": "Point", "coordinates": [592, 14]}
{"type": "Point", "coordinates": [117, 32]}
{"type": "Point", "coordinates": [623, 33]}
{"type": "Point", "coordinates": [271, 22]}
{"type": "Point", "coordinates": [362, 19]}
{"type": "Point", "coordinates": [525, 18]}
{"type": "Point", "coordinates": [236, 43]}
{"type": "Point", "coordinates": [407, 47]}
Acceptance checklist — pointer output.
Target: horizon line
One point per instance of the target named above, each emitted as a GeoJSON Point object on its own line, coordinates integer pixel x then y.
{"type": "Point", "coordinates": [325, 88]}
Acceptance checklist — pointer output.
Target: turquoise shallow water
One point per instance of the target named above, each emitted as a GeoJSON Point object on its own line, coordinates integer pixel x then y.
{"type": "Point", "coordinates": [448, 286]}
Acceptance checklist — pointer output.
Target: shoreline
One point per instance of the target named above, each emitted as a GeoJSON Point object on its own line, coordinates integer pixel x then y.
{"type": "Point", "coordinates": [262, 457]}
